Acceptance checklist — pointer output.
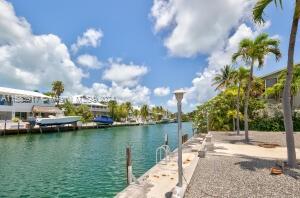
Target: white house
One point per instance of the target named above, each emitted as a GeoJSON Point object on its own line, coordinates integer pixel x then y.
{"type": "Point", "coordinates": [97, 108]}
{"type": "Point", "coordinates": [24, 104]}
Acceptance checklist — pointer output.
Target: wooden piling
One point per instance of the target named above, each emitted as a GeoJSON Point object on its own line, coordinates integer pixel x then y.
{"type": "Point", "coordinates": [18, 127]}
{"type": "Point", "coordinates": [128, 165]}
{"type": "Point", "coordinates": [4, 127]}
{"type": "Point", "coordinates": [166, 139]}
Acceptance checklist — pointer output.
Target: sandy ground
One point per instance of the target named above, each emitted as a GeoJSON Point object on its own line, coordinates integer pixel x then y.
{"type": "Point", "coordinates": [255, 138]}
{"type": "Point", "coordinates": [236, 169]}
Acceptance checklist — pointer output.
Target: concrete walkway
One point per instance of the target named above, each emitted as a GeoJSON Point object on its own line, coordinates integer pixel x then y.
{"type": "Point", "coordinates": [163, 177]}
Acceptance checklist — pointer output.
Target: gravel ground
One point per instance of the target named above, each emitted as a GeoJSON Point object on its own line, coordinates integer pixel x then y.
{"type": "Point", "coordinates": [255, 138]}
{"type": "Point", "coordinates": [221, 176]}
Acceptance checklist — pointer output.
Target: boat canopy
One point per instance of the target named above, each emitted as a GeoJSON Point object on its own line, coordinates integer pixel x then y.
{"type": "Point", "coordinates": [46, 109]}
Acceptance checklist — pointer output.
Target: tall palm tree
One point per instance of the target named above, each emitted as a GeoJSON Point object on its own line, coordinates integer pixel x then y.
{"type": "Point", "coordinates": [224, 78]}
{"type": "Point", "coordinates": [239, 76]}
{"type": "Point", "coordinates": [144, 112]}
{"type": "Point", "coordinates": [258, 12]}
{"type": "Point", "coordinates": [57, 89]}
{"type": "Point", "coordinates": [252, 51]}
{"type": "Point", "coordinates": [112, 106]}
{"type": "Point", "coordinates": [129, 109]}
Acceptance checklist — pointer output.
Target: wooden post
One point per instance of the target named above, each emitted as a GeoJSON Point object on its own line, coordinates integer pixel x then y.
{"type": "Point", "coordinates": [58, 128]}
{"type": "Point", "coordinates": [166, 139]}
{"type": "Point", "coordinates": [128, 165]}
{"type": "Point", "coordinates": [41, 130]}
{"type": "Point", "coordinates": [18, 127]}
{"type": "Point", "coordinates": [4, 127]}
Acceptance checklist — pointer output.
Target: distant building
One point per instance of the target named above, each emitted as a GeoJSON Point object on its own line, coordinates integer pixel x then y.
{"type": "Point", "coordinates": [24, 104]}
{"type": "Point", "coordinates": [97, 108]}
{"type": "Point", "coordinates": [271, 79]}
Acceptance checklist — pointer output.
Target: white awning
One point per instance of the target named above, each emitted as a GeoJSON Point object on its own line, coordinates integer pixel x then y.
{"type": "Point", "coordinates": [20, 92]}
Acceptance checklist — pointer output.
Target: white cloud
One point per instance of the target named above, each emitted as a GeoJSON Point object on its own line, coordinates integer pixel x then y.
{"type": "Point", "coordinates": [202, 89]}
{"type": "Point", "coordinates": [137, 95]}
{"type": "Point", "coordinates": [124, 74]}
{"type": "Point", "coordinates": [162, 91]}
{"type": "Point", "coordinates": [197, 26]}
{"type": "Point", "coordinates": [90, 38]}
{"type": "Point", "coordinates": [32, 61]}
{"type": "Point", "coordinates": [89, 61]}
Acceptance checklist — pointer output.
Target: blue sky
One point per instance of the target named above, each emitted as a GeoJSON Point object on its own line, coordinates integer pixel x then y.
{"type": "Point", "coordinates": [151, 36]}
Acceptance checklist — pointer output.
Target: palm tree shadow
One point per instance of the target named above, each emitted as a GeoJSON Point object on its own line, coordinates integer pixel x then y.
{"type": "Point", "coordinates": [252, 164]}
{"type": "Point", "coordinates": [242, 141]}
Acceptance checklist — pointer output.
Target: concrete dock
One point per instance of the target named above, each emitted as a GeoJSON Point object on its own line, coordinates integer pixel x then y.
{"type": "Point", "coordinates": [161, 179]}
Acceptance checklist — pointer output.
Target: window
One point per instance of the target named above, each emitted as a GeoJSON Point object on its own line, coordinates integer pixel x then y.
{"type": "Point", "coordinates": [270, 82]}
{"type": "Point", "coordinates": [21, 115]}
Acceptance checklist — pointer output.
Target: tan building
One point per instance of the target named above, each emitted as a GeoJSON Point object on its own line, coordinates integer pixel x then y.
{"type": "Point", "coordinates": [271, 79]}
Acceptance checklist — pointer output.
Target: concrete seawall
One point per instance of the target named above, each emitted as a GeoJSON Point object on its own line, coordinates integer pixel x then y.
{"type": "Point", "coordinates": [162, 178]}
{"type": "Point", "coordinates": [55, 129]}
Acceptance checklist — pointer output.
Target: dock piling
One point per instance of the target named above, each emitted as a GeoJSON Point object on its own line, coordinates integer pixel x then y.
{"type": "Point", "coordinates": [128, 165]}
{"type": "Point", "coordinates": [18, 127]}
{"type": "Point", "coordinates": [4, 127]}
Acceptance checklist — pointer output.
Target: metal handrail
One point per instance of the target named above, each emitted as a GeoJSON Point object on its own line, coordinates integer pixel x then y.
{"type": "Point", "coordinates": [166, 151]}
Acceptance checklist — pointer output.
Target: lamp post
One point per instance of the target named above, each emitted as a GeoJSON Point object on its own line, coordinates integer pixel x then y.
{"type": "Point", "coordinates": [179, 97]}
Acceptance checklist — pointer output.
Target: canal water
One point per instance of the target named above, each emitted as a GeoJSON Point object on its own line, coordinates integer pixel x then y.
{"type": "Point", "coordinates": [87, 163]}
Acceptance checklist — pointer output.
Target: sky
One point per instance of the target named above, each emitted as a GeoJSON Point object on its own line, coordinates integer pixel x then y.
{"type": "Point", "coordinates": [135, 50]}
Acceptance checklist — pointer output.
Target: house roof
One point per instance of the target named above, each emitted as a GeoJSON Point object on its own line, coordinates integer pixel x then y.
{"type": "Point", "coordinates": [20, 92]}
{"type": "Point", "coordinates": [274, 72]}
{"type": "Point", "coordinates": [277, 71]}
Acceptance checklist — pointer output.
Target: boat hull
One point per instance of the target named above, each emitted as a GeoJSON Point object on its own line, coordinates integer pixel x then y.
{"type": "Point", "coordinates": [57, 120]}
{"type": "Point", "coordinates": [104, 120]}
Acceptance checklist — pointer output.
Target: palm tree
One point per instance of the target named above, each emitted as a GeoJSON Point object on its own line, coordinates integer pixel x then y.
{"type": "Point", "coordinates": [128, 107]}
{"type": "Point", "coordinates": [288, 120]}
{"type": "Point", "coordinates": [57, 89]}
{"type": "Point", "coordinates": [112, 106]}
{"type": "Point", "coordinates": [252, 51]}
{"type": "Point", "coordinates": [144, 112]}
{"type": "Point", "coordinates": [224, 78]}
{"type": "Point", "coordinates": [239, 76]}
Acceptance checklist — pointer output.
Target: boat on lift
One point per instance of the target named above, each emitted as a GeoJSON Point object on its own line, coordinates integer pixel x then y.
{"type": "Point", "coordinates": [105, 120]}
{"type": "Point", "coordinates": [57, 120]}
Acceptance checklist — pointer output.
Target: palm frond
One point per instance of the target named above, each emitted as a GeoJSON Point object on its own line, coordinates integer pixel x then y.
{"type": "Point", "coordinates": [259, 8]}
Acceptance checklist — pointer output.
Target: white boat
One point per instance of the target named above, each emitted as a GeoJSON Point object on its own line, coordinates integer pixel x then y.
{"type": "Point", "coordinates": [53, 120]}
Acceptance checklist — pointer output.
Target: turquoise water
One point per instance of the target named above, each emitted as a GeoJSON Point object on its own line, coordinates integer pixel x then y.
{"type": "Point", "coordinates": [87, 163]}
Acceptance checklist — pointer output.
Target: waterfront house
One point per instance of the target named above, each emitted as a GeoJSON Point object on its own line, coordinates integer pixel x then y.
{"type": "Point", "coordinates": [96, 107]}
{"type": "Point", "coordinates": [23, 104]}
{"type": "Point", "coordinates": [271, 79]}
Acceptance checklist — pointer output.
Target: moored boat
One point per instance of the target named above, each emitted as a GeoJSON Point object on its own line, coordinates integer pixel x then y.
{"type": "Point", "coordinates": [103, 120]}
{"type": "Point", "coordinates": [53, 120]}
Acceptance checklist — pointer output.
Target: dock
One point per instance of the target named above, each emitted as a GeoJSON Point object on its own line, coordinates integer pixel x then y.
{"type": "Point", "coordinates": [20, 128]}
{"type": "Point", "coordinates": [162, 178]}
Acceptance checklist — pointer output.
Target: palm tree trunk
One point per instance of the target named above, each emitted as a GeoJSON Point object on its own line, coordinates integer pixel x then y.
{"type": "Point", "coordinates": [233, 124]}
{"type": "Point", "coordinates": [238, 111]}
{"type": "Point", "coordinates": [247, 102]}
{"type": "Point", "coordinates": [288, 121]}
